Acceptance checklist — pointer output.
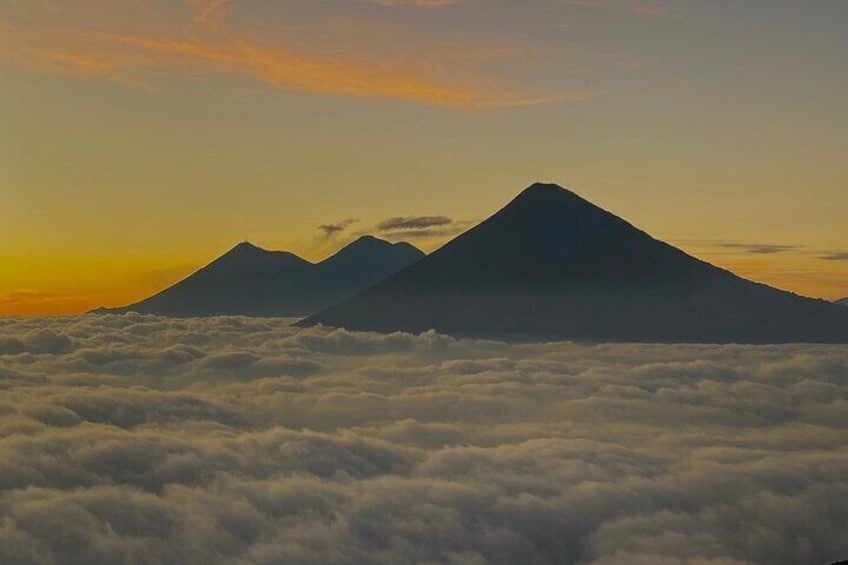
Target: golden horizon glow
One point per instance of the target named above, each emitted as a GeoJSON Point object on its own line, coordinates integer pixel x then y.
{"type": "Point", "coordinates": [113, 284]}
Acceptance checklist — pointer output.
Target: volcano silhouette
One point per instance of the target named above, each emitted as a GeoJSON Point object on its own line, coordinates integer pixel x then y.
{"type": "Point", "coordinates": [251, 281]}
{"type": "Point", "coordinates": [551, 265]}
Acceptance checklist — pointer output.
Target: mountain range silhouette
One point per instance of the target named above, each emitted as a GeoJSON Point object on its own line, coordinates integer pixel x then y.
{"type": "Point", "coordinates": [251, 281]}
{"type": "Point", "coordinates": [551, 265]}
{"type": "Point", "coordinates": [843, 301]}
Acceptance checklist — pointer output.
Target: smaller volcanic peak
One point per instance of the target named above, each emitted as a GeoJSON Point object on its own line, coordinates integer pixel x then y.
{"type": "Point", "coordinates": [365, 245]}
{"type": "Point", "coordinates": [249, 255]}
{"type": "Point", "coordinates": [250, 281]}
{"type": "Point", "coordinates": [246, 247]}
{"type": "Point", "coordinates": [372, 243]}
{"type": "Point", "coordinates": [366, 241]}
{"type": "Point", "coordinates": [843, 301]}
{"type": "Point", "coordinates": [363, 263]}
{"type": "Point", "coordinates": [373, 251]}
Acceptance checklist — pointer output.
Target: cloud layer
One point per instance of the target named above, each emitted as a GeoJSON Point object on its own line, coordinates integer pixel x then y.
{"type": "Point", "coordinates": [232, 440]}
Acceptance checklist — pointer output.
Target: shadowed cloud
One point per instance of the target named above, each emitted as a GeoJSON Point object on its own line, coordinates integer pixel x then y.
{"type": "Point", "coordinates": [330, 230]}
{"type": "Point", "coordinates": [835, 256]}
{"type": "Point", "coordinates": [427, 233]}
{"type": "Point", "coordinates": [760, 248]}
{"type": "Point", "coordinates": [421, 227]}
{"type": "Point", "coordinates": [413, 223]}
{"type": "Point", "coordinates": [745, 247]}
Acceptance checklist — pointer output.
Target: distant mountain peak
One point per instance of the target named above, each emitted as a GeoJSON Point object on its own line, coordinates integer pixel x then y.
{"type": "Point", "coordinates": [247, 258]}
{"type": "Point", "coordinates": [249, 280]}
{"type": "Point", "coordinates": [551, 202]}
{"type": "Point", "coordinates": [370, 243]}
{"type": "Point", "coordinates": [369, 249]}
{"type": "Point", "coordinates": [247, 247]}
{"type": "Point", "coordinates": [544, 188]}
{"type": "Point", "coordinates": [366, 240]}
{"type": "Point", "coordinates": [367, 244]}
{"type": "Point", "coordinates": [547, 191]}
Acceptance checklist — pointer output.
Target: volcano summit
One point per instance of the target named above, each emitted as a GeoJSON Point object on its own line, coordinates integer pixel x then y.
{"type": "Point", "coordinates": [551, 265]}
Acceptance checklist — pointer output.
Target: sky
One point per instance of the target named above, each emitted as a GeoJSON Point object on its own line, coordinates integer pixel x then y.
{"type": "Point", "coordinates": [142, 138]}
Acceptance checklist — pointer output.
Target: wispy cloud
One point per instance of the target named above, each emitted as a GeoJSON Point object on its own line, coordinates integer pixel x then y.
{"type": "Point", "coordinates": [31, 301]}
{"type": "Point", "coordinates": [426, 233]}
{"type": "Point", "coordinates": [138, 54]}
{"type": "Point", "coordinates": [744, 247]}
{"type": "Point", "coordinates": [330, 230]}
{"type": "Point", "coordinates": [835, 256]}
{"type": "Point", "coordinates": [760, 248]}
{"type": "Point", "coordinates": [210, 12]}
{"type": "Point", "coordinates": [131, 59]}
{"type": "Point", "coordinates": [421, 227]}
{"type": "Point", "coordinates": [19, 296]}
{"type": "Point", "coordinates": [413, 222]}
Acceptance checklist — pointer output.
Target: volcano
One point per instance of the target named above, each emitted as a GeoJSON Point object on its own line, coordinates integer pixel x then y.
{"type": "Point", "coordinates": [251, 281]}
{"type": "Point", "coordinates": [551, 265]}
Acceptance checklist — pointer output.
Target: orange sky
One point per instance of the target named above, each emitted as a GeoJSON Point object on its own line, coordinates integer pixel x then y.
{"type": "Point", "coordinates": [140, 142]}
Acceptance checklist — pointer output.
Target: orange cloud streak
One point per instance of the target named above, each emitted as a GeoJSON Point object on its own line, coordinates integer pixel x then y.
{"type": "Point", "coordinates": [131, 58]}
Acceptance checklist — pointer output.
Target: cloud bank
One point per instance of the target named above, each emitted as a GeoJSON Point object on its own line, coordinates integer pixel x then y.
{"type": "Point", "coordinates": [233, 440]}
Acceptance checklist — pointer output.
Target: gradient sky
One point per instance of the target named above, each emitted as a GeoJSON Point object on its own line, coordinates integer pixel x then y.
{"type": "Point", "coordinates": [142, 138]}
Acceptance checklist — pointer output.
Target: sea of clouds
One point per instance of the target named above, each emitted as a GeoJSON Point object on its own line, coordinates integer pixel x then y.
{"type": "Point", "coordinates": [137, 439]}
